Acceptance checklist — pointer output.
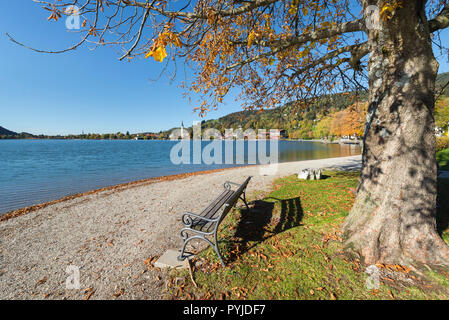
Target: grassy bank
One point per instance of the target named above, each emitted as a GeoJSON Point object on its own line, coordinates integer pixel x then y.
{"type": "Point", "coordinates": [443, 159]}
{"type": "Point", "coordinates": [289, 247]}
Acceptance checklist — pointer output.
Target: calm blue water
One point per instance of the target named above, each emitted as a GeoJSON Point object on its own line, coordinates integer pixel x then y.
{"type": "Point", "coordinates": [36, 171]}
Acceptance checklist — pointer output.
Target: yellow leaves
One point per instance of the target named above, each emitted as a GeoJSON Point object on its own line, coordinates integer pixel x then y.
{"type": "Point", "coordinates": [251, 37]}
{"type": "Point", "coordinates": [159, 54]}
{"type": "Point", "coordinates": [388, 9]}
{"type": "Point", "coordinates": [293, 9]}
{"type": "Point", "coordinates": [157, 50]}
{"type": "Point", "coordinates": [386, 12]}
{"type": "Point", "coordinates": [305, 11]}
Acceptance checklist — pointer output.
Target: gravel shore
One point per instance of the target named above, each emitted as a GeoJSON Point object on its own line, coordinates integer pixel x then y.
{"type": "Point", "coordinates": [108, 235]}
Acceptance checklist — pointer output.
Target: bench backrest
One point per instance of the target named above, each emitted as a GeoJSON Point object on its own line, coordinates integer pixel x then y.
{"type": "Point", "coordinates": [233, 200]}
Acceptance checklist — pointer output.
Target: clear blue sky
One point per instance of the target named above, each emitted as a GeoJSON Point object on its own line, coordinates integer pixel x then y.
{"type": "Point", "coordinates": [84, 90]}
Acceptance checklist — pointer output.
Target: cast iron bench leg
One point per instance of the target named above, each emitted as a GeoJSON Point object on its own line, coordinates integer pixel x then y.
{"type": "Point", "coordinates": [186, 239]}
{"type": "Point", "coordinates": [244, 200]}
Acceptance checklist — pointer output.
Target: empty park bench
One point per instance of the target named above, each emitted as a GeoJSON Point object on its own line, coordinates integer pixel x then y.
{"type": "Point", "coordinates": [200, 226]}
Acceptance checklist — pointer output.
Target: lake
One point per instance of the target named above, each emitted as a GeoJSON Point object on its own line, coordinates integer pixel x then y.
{"type": "Point", "coordinates": [37, 171]}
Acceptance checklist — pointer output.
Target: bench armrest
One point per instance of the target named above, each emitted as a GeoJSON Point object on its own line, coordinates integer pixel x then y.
{"type": "Point", "coordinates": [187, 218]}
{"type": "Point", "coordinates": [228, 183]}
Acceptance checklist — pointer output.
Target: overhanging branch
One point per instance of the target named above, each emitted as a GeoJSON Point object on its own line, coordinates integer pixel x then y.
{"type": "Point", "coordinates": [441, 21]}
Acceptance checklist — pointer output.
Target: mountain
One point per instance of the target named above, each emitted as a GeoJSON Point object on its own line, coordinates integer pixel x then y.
{"type": "Point", "coordinates": [442, 82]}
{"type": "Point", "coordinates": [7, 132]}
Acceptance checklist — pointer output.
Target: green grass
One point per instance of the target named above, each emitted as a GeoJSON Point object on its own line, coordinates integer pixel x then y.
{"type": "Point", "coordinates": [443, 159]}
{"type": "Point", "coordinates": [289, 247]}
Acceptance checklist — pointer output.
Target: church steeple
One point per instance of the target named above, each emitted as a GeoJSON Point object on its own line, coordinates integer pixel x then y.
{"type": "Point", "coordinates": [182, 130]}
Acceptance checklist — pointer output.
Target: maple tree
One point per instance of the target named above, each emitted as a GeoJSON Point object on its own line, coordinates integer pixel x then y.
{"type": "Point", "coordinates": [349, 122]}
{"type": "Point", "coordinates": [275, 51]}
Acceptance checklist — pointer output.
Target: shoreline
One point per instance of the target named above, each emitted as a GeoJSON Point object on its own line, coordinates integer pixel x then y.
{"type": "Point", "coordinates": [122, 186]}
{"type": "Point", "coordinates": [141, 182]}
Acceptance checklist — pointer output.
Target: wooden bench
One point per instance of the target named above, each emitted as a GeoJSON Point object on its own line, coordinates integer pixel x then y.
{"type": "Point", "coordinates": [200, 226]}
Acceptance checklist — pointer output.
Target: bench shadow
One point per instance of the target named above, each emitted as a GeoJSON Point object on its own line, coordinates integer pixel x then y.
{"type": "Point", "coordinates": [258, 224]}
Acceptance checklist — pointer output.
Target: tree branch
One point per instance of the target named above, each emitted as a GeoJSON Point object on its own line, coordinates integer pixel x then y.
{"type": "Point", "coordinates": [441, 21]}
{"type": "Point", "coordinates": [248, 6]}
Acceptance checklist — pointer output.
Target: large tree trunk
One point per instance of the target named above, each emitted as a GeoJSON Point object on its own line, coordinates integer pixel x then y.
{"type": "Point", "coordinates": [393, 219]}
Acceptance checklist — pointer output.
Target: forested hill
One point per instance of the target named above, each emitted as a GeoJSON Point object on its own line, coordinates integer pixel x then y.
{"type": "Point", "coordinates": [7, 132]}
{"type": "Point", "coordinates": [442, 83]}
{"type": "Point", "coordinates": [288, 117]}
{"type": "Point", "coordinates": [292, 117]}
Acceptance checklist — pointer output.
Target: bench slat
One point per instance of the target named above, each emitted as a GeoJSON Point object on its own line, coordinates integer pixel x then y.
{"type": "Point", "coordinates": [233, 200]}
{"type": "Point", "coordinates": [220, 200]}
{"type": "Point", "coordinates": [212, 211]}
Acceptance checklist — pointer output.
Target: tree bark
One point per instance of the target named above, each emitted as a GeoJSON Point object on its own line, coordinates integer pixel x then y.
{"type": "Point", "coordinates": [393, 219]}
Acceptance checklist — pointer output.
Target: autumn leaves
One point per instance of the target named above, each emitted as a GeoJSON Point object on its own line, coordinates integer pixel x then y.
{"type": "Point", "coordinates": [167, 37]}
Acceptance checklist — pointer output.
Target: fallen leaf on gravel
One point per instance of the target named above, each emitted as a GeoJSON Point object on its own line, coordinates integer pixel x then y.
{"type": "Point", "coordinates": [149, 262]}
{"type": "Point", "coordinates": [41, 281]}
{"type": "Point", "coordinates": [88, 293]}
{"type": "Point", "coordinates": [118, 294]}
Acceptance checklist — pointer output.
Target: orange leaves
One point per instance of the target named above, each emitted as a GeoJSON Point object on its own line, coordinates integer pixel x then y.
{"type": "Point", "coordinates": [55, 14]}
{"type": "Point", "coordinates": [332, 237]}
{"type": "Point", "coordinates": [92, 32]}
{"type": "Point", "coordinates": [41, 281]}
{"type": "Point", "coordinates": [149, 262]}
{"type": "Point", "coordinates": [350, 121]}
{"type": "Point", "coordinates": [394, 267]}
{"type": "Point", "coordinates": [88, 293]}
{"type": "Point", "coordinates": [119, 293]}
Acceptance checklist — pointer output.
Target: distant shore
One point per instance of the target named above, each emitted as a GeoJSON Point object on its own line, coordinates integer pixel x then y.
{"type": "Point", "coordinates": [339, 141]}
{"type": "Point", "coordinates": [109, 233]}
